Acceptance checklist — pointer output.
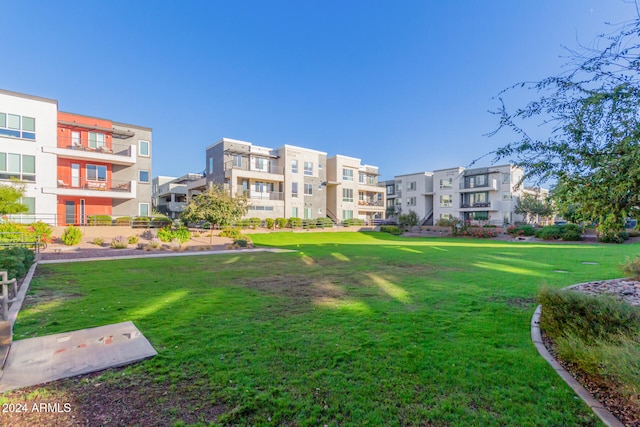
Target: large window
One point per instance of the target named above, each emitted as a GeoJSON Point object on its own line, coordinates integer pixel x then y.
{"type": "Point", "coordinates": [96, 140]}
{"type": "Point", "coordinates": [362, 178]}
{"type": "Point", "coordinates": [96, 173]}
{"type": "Point", "coordinates": [237, 160]}
{"type": "Point", "coordinates": [294, 212]}
{"type": "Point", "coordinates": [446, 201]}
{"type": "Point", "coordinates": [308, 168]}
{"type": "Point", "coordinates": [347, 214]}
{"type": "Point", "coordinates": [144, 148]}
{"type": "Point", "coordinates": [347, 195]}
{"type": "Point", "coordinates": [391, 189]}
{"type": "Point", "coordinates": [446, 183]}
{"type": "Point", "coordinates": [143, 209]}
{"type": "Point", "coordinates": [143, 176]}
{"type": "Point", "coordinates": [17, 126]}
{"type": "Point", "coordinates": [411, 186]}
{"type": "Point", "coordinates": [294, 189]}
{"type": "Point", "coordinates": [294, 166]}
{"type": "Point", "coordinates": [19, 166]}
{"type": "Point", "coordinates": [308, 213]}
{"type": "Point", "coordinates": [411, 201]}
{"type": "Point", "coordinates": [347, 174]}
{"type": "Point", "coordinates": [308, 189]}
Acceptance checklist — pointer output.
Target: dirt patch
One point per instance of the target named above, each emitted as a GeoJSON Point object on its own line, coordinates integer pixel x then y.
{"type": "Point", "coordinates": [295, 286]}
{"type": "Point", "coordinates": [90, 400]}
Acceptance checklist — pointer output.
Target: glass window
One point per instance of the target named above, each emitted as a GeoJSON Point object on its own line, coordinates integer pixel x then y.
{"type": "Point", "coordinates": [210, 164]}
{"type": "Point", "coordinates": [3, 120]}
{"type": "Point", "coordinates": [361, 178]}
{"type": "Point", "coordinates": [347, 214]}
{"type": "Point", "coordinates": [294, 189]}
{"type": "Point", "coordinates": [481, 180]}
{"type": "Point", "coordinates": [411, 186]}
{"type": "Point", "coordinates": [446, 183]}
{"type": "Point", "coordinates": [294, 212]}
{"type": "Point", "coordinates": [96, 173]}
{"type": "Point", "coordinates": [308, 213]}
{"type": "Point", "coordinates": [144, 176]}
{"type": "Point", "coordinates": [29, 124]}
{"type": "Point", "coordinates": [347, 195]}
{"type": "Point", "coordinates": [506, 178]}
{"type": "Point", "coordinates": [308, 189]}
{"type": "Point", "coordinates": [446, 201]}
{"type": "Point", "coordinates": [29, 164]}
{"type": "Point", "coordinates": [294, 166]}
{"type": "Point", "coordinates": [30, 203]}
{"type": "Point", "coordinates": [143, 209]}
{"type": "Point", "coordinates": [14, 121]}
{"type": "Point", "coordinates": [13, 162]}
{"type": "Point", "coordinates": [347, 174]}
{"type": "Point", "coordinates": [308, 168]}
{"type": "Point", "coordinates": [143, 148]}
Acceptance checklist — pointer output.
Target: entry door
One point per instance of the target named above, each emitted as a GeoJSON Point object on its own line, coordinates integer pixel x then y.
{"type": "Point", "coordinates": [70, 212]}
{"type": "Point", "coordinates": [82, 212]}
{"type": "Point", "coordinates": [75, 175]}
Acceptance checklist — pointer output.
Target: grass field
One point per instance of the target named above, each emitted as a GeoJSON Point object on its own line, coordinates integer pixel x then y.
{"type": "Point", "coordinates": [352, 329]}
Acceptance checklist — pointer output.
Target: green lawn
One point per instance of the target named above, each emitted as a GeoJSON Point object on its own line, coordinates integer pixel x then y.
{"type": "Point", "coordinates": [353, 329]}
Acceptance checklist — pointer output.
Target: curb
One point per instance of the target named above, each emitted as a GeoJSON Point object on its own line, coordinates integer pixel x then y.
{"type": "Point", "coordinates": [603, 413]}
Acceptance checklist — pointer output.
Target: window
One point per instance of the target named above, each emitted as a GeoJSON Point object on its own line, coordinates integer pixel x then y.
{"type": "Point", "coordinates": [308, 189]}
{"type": "Point", "coordinates": [96, 140]}
{"type": "Point", "coordinates": [446, 201]}
{"type": "Point", "coordinates": [347, 174]}
{"type": "Point", "coordinates": [308, 213]}
{"type": "Point", "coordinates": [143, 209]}
{"type": "Point", "coordinates": [143, 176]}
{"type": "Point", "coordinates": [19, 166]}
{"type": "Point", "coordinates": [143, 148]}
{"type": "Point", "coordinates": [411, 186]}
{"type": "Point", "coordinates": [481, 180]}
{"type": "Point", "coordinates": [308, 168]}
{"type": "Point", "coordinates": [446, 216]}
{"type": "Point", "coordinates": [446, 183]}
{"type": "Point", "coordinates": [411, 201]}
{"type": "Point", "coordinates": [294, 189]}
{"type": "Point", "coordinates": [75, 139]}
{"type": "Point", "coordinates": [294, 212]}
{"type": "Point", "coordinates": [96, 173]}
{"type": "Point", "coordinates": [294, 166]}
{"type": "Point", "coordinates": [237, 160]}
{"type": "Point", "coordinates": [347, 195]}
{"type": "Point", "coordinates": [362, 178]}
{"type": "Point", "coordinates": [391, 189]}
{"type": "Point", "coordinates": [210, 164]}
{"type": "Point", "coordinates": [17, 126]}
{"type": "Point", "coordinates": [347, 214]}
{"type": "Point", "coordinates": [506, 195]}
{"type": "Point", "coordinates": [30, 203]}
{"type": "Point", "coordinates": [506, 178]}
{"type": "Point", "coordinates": [261, 164]}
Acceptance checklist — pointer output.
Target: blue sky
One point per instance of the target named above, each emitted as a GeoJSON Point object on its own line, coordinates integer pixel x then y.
{"type": "Point", "coordinates": [402, 85]}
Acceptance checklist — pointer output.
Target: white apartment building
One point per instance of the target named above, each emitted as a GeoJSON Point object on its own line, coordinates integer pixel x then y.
{"type": "Point", "coordinates": [353, 190]}
{"type": "Point", "coordinates": [411, 192]}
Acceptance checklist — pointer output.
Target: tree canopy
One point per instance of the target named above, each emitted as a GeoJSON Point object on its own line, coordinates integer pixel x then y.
{"type": "Point", "coordinates": [10, 196]}
{"type": "Point", "coordinates": [531, 207]}
{"type": "Point", "coordinates": [592, 114]}
{"type": "Point", "coordinates": [215, 206]}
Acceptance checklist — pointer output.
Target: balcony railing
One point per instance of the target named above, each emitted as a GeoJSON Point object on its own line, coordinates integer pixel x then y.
{"type": "Point", "coordinates": [468, 205]}
{"type": "Point", "coordinates": [490, 184]}
{"type": "Point", "coordinates": [370, 203]}
{"type": "Point", "coordinates": [94, 185]}
{"type": "Point", "coordinates": [252, 167]}
{"type": "Point", "coordinates": [264, 195]}
{"type": "Point", "coordinates": [94, 146]}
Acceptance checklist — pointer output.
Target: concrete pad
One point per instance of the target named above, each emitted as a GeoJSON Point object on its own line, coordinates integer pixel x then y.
{"type": "Point", "coordinates": [40, 360]}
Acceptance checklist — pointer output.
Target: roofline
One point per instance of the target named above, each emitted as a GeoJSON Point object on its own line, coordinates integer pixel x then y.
{"type": "Point", "coordinates": [236, 141]}
{"type": "Point", "coordinates": [26, 96]}
{"type": "Point", "coordinates": [302, 148]}
{"type": "Point", "coordinates": [416, 173]}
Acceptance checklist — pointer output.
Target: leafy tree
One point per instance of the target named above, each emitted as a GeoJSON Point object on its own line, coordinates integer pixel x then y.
{"type": "Point", "coordinates": [530, 206]}
{"type": "Point", "coordinates": [215, 206]}
{"type": "Point", "coordinates": [10, 196]}
{"type": "Point", "coordinates": [408, 220]}
{"type": "Point", "coordinates": [592, 114]}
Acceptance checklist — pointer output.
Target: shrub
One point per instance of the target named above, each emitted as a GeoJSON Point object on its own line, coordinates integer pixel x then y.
{"type": "Point", "coordinates": [391, 229]}
{"type": "Point", "coordinates": [324, 222]}
{"type": "Point", "coordinates": [41, 230]}
{"type": "Point", "coordinates": [281, 222]}
{"type": "Point", "coordinates": [155, 243]}
{"type": "Point", "coordinates": [165, 234]}
{"type": "Point", "coordinates": [182, 235]}
{"type": "Point", "coordinates": [119, 242]}
{"type": "Point", "coordinates": [98, 241]}
{"type": "Point", "coordinates": [71, 236]}
{"type": "Point", "coordinates": [123, 220]}
{"type": "Point", "coordinates": [99, 220]}
{"type": "Point", "coordinates": [13, 232]}
{"type": "Point", "coordinates": [588, 317]}
{"type": "Point", "coordinates": [571, 236]}
{"type": "Point", "coordinates": [295, 222]}
{"type": "Point", "coordinates": [243, 223]}
{"type": "Point", "coordinates": [613, 237]}
{"type": "Point", "coordinates": [232, 233]}
{"type": "Point", "coordinates": [479, 232]}
{"type": "Point", "coordinates": [270, 223]}
{"type": "Point", "coordinates": [141, 222]}
{"type": "Point", "coordinates": [255, 222]}
{"type": "Point", "coordinates": [133, 240]}
{"type": "Point", "coordinates": [16, 261]}
{"type": "Point", "coordinates": [631, 267]}
{"type": "Point", "coordinates": [161, 221]}
{"type": "Point", "coordinates": [550, 232]}
{"type": "Point", "coordinates": [241, 242]}
{"type": "Point", "coordinates": [353, 222]}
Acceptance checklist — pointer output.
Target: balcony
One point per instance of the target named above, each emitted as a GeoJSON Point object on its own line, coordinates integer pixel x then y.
{"type": "Point", "coordinates": [481, 206]}
{"type": "Point", "coordinates": [81, 149]}
{"type": "Point", "coordinates": [491, 185]}
{"type": "Point", "coordinates": [176, 206]}
{"type": "Point", "coordinates": [264, 195]}
{"type": "Point", "coordinates": [67, 186]}
{"type": "Point", "coordinates": [251, 166]}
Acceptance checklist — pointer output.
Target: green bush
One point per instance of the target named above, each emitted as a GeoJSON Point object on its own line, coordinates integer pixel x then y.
{"type": "Point", "coordinates": [133, 240]}
{"type": "Point", "coordinates": [353, 222]}
{"type": "Point", "coordinates": [98, 241]}
{"type": "Point", "coordinates": [182, 235]}
{"type": "Point", "coordinates": [281, 222]}
{"type": "Point", "coordinates": [243, 223]}
{"type": "Point", "coordinates": [269, 223]}
{"type": "Point", "coordinates": [255, 222]}
{"type": "Point", "coordinates": [40, 230]}
{"type": "Point", "coordinates": [324, 222]}
{"type": "Point", "coordinates": [295, 222]}
{"type": "Point", "coordinates": [242, 242]}
{"type": "Point", "coordinates": [588, 317]}
{"type": "Point", "coordinates": [71, 236]}
{"type": "Point", "coordinates": [99, 220]}
{"type": "Point", "coordinates": [123, 220]}
{"type": "Point", "coordinates": [550, 232]}
{"type": "Point", "coordinates": [141, 222]}
{"type": "Point", "coordinates": [631, 268]}
{"type": "Point", "coordinates": [16, 261]}
{"type": "Point", "coordinates": [391, 229]}
{"type": "Point", "coordinates": [571, 236]}
{"type": "Point", "coordinates": [160, 221]}
{"type": "Point", "coordinates": [165, 234]}
{"type": "Point", "coordinates": [613, 237]}
{"type": "Point", "coordinates": [233, 233]}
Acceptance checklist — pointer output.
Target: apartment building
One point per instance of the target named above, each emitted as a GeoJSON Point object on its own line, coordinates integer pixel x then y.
{"type": "Point", "coordinates": [353, 190]}
{"type": "Point", "coordinates": [83, 165]}
{"type": "Point", "coordinates": [487, 194]}
{"type": "Point", "coordinates": [285, 182]}
{"type": "Point", "coordinates": [169, 194]}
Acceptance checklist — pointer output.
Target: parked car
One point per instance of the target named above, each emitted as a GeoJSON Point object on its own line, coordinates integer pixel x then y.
{"type": "Point", "coordinates": [630, 223]}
